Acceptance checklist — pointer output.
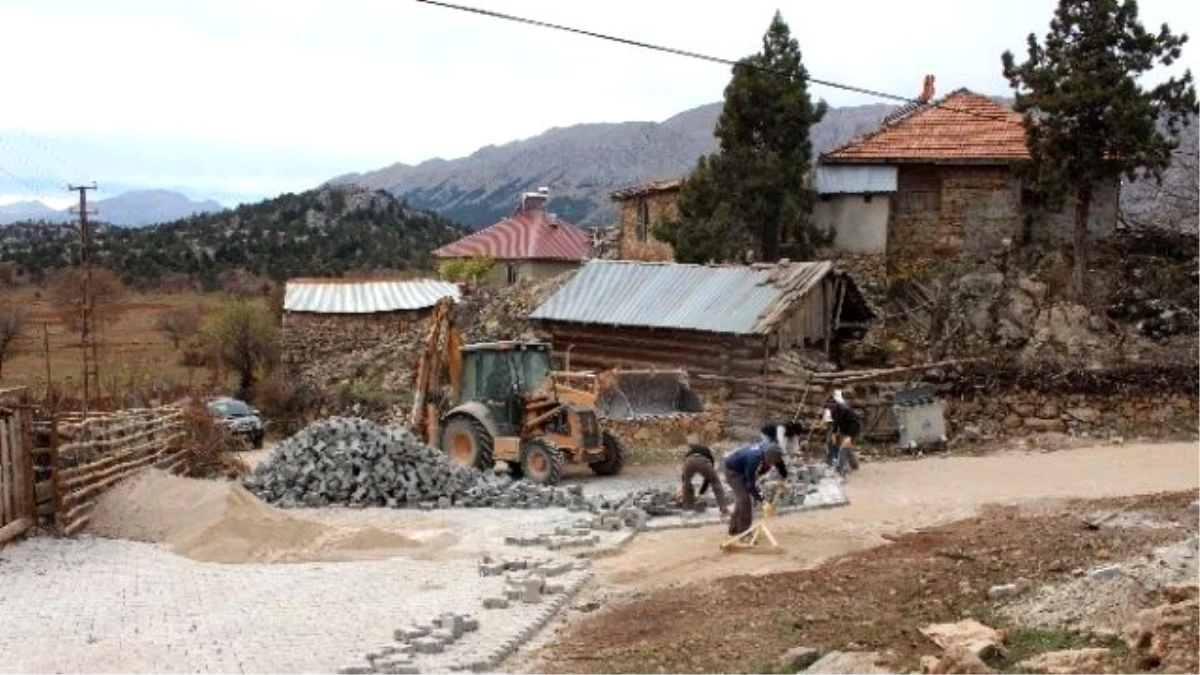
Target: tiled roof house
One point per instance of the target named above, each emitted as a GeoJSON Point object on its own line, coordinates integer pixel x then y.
{"type": "Point", "coordinates": [937, 179]}
{"type": "Point", "coordinates": [532, 243]}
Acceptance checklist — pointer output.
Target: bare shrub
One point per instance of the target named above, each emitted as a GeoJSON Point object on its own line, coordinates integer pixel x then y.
{"type": "Point", "coordinates": [209, 447]}
{"type": "Point", "coordinates": [179, 324]}
{"type": "Point", "coordinates": [13, 320]}
{"type": "Point", "coordinates": [288, 401]}
{"type": "Point", "coordinates": [66, 289]}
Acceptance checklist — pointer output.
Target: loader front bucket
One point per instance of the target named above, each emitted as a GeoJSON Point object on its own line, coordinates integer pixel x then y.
{"type": "Point", "coordinates": [629, 394]}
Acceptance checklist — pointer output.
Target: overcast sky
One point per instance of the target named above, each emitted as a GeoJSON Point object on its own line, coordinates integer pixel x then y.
{"type": "Point", "coordinates": [244, 99]}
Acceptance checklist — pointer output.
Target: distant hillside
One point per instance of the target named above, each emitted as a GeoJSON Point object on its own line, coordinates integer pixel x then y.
{"type": "Point", "coordinates": [324, 232]}
{"type": "Point", "coordinates": [581, 164]}
{"type": "Point", "coordinates": [137, 208]}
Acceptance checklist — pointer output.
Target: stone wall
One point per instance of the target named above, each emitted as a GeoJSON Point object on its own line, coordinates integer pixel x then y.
{"type": "Point", "coordinates": [332, 349]}
{"type": "Point", "coordinates": [944, 211]}
{"type": "Point", "coordinates": [1021, 413]}
{"type": "Point", "coordinates": [637, 244]}
{"type": "Point", "coordinates": [667, 432]}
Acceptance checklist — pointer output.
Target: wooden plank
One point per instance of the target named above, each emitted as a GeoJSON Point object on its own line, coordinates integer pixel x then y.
{"type": "Point", "coordinates": [27, 464]}
{"type": "Point", "coordinates": [18, 491]}
{"type": "Point", "coordinates": [55, 478]}
{"type": "Point", "coordinates": [6, 479]}
{"type": "Point", "coordinates": [14, 529]}
{"type": "Point", "coordinates": [69, 475]}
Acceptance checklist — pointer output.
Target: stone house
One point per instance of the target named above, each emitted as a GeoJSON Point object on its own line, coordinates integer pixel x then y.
{"type": "Point", "coordinates": [640, 208]}
{"type": "Point", "coordinates": [937, 181]}
{"type": "Point", "coordinates": [325, 318]}
{"type": "Point", "coordinates": [531, 244]}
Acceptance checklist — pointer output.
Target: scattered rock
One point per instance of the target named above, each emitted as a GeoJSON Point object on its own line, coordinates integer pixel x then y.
{"type": "Point", "coordinates": [1088, 660]}
{"type": "Point", "coordinates": [799, 658]}
{"type": "Point", "coordinates": [1104, 572]}
{"type": "Point", "coordinates": [957, 659]}
{"type": "Point", "coordinates": [980, 640]}
{"type": "Point", "coordinates": [846, 663]}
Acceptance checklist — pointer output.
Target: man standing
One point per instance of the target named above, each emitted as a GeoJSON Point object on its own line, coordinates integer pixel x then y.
{"type": "Point", "coordinates": [843, 425]}
{"type": "Point", "coordinates": [699, 460]}
{"type": "Point", "coordinates": [742, 469]}
{"type": "Point", "coordinates": [784, 434]}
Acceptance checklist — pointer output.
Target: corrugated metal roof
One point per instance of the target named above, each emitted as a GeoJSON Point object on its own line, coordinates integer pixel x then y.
{"type": "Point", "coordinates": [718, 299]}
{"type": "Point", "coordinates": [854, 179]}
{"type": "Point", "coordinates": [335, 296]}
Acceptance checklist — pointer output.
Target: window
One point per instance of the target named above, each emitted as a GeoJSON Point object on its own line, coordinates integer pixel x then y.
{"type": "Point", "coordinates": [513, 274]}
{"type": "Point", "coordinates": [643, 220]}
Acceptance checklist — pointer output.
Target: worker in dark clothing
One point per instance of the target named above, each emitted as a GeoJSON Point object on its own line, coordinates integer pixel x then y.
{"type": "Point", "coordinates": [843, 425]}
{"type": "Point", "coordinates": [699, 460]}
{"type": "Point", "coordinates": [742, 469]}
{"type": "Point", "coordinates": [785, 434]}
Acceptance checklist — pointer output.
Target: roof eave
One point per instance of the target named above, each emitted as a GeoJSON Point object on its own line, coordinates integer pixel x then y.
{"type": "Point", "coordinates": [951, 161]}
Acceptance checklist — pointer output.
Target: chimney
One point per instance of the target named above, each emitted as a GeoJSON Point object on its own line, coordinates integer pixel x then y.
{"type": "Point", "coordinates": [535, 201]}
{"type": "Point", "coordinates": [926, 90]}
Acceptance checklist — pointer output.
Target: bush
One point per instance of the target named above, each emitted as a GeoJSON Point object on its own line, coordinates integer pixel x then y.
{"type": "Point", "coordinates": [471, 270]}
{"type": "Point", "coordinates": [288, 401]}
{"type": "Point", "coordinates": [209, 446]}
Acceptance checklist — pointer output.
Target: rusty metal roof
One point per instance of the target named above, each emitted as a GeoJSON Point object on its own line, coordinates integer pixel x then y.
{"type": "Point", "coordinates": [739, 300]}
{"type": "Point", "coordinates": [647, 188]}
{"type": "Point", "coordinates": [342, 296]}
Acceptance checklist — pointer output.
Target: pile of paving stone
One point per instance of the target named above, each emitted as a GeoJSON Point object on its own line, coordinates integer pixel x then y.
{"type": "Point", "coordinates": [355, 462]}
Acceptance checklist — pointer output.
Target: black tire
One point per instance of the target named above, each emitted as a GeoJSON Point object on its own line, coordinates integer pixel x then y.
{"type": "Point", "coordinates": [542, 461]}
{"type": "Point", "coordinates": [467, 443]}
{"type": "Point", "coordinates": [514, 470]}
{"type": "Point", "coordinates": [257, 441]}
{"type": "Point", "coordinates": [614, 456]}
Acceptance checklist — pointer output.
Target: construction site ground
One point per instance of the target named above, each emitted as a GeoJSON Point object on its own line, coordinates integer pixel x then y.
{"type": "Point", "coordinates": [312, 590]}
{"type": "Point", "coordinates": [921, 542]}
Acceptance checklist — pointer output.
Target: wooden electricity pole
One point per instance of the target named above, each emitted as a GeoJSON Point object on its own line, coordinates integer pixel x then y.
{"type": "Point", "coordinates": [91, 369]}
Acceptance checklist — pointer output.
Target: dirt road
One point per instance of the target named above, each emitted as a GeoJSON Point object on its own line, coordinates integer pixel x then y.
{"type": "Point", "coordinates": [892, 497]}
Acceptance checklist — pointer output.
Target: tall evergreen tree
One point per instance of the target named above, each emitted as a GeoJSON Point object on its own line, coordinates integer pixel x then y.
{"type": "Point", "coordinates": [752, 194]}
{"type": "Point", "coordinates": [1087, 118]}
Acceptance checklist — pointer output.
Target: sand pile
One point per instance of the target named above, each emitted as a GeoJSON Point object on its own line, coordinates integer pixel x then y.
{"type": "Point", "coordinates": [214, 521]}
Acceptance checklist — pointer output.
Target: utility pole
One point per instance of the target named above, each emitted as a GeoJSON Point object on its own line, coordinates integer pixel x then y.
{"type": "Point", "coordinates": [91, 370]}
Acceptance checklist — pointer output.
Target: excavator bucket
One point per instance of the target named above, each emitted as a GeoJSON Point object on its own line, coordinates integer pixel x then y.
{"type": "Point", "coordinates": [629, 394]}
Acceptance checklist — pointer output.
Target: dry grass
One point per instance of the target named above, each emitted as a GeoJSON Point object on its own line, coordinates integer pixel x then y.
{"type": "Point", "coordinates": [132, 351]}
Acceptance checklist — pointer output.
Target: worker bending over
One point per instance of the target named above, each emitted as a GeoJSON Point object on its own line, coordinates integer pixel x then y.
{"type": "Point", "coordinates": [784, 434]}
{"type": "Point", "coordinates": [699, 460]}
{"type": "Point", "coordinates": [843, 425]}
{"type": "Point", "coordinates": [742, 469]}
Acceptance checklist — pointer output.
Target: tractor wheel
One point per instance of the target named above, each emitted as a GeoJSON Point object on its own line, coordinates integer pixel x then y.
{"type": "Point", "coordinates": [514, 470]}
{"type": "Point", "coordinates": [614, 456]}
{"type": "Point", "coordinates": [467, 442]}
{"type": "Point", "coordinates": [541, 461]}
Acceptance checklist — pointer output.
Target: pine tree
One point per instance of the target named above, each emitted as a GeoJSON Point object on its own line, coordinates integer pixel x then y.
{"type": "Point", "coordinates": [752, 194]}
{"type": "Point", "coordinates": [1087, 119]}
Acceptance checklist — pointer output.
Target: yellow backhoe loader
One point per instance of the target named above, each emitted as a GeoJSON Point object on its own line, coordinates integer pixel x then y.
{"type": "Point", "coordinates": [504, 401]}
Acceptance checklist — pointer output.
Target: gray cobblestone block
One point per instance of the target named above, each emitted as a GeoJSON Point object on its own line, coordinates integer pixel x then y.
{"type": "Point", "coordinates": [397, 667]}
{"type": "Point", "coordinates": [531, 596]}
{"type": "Point", "coordinates": [444, 635]}
{"type": "Point", "coordinates": [356, 670]}
{"type": "Point", "coordinates": [552, 589]}
{"type": "Point", "coordinates": [470, 624]}
{"type": "Point", "coordinates": [494, 569]}
{"type": "Point", "coordinates": [495, 603]}
{"type": "Point", "coordinates": [409, 633]}
{"type": "Point", "coordinates": [428, 645]}
{"type": "Point", "coordinates": [452, 623]}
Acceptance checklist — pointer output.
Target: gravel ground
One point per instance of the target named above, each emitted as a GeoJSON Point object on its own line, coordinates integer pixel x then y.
{"type": "Point", "coordinates": [91, 604]}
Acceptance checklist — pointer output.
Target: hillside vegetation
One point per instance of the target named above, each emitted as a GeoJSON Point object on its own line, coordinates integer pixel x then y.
{"type": "Point", "coordinates": [324, 232]}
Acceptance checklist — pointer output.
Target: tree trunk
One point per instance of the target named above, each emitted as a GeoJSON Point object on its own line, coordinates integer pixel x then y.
{"type": "Point", "coordinates": [1083, 206]}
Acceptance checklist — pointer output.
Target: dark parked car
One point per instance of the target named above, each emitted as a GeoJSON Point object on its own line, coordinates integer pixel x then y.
{"type": "Point", "coordinates": [239, 418]}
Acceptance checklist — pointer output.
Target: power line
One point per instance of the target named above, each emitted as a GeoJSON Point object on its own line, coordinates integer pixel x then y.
{"type": "Point", "coordinates": [712, 59]}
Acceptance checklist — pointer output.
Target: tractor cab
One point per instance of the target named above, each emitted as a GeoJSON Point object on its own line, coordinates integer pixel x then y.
{"type": "Point", "coordinates": [502, 375]}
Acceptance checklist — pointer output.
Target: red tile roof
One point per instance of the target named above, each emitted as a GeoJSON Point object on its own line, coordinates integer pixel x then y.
{"type": "Point", "coordinates": [651, 187]}
{"type": "Point", "coordinates": [964, 127]}
{"type": "Point", "coordinates": [528, 235]}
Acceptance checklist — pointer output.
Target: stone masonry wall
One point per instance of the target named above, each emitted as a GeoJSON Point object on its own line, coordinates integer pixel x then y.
{"type": "Point", "coordinates": [661, 206]}
{"type": "Point", "coordinates": [940, 212]}
{"type": "Point", "coordinates": [667, 432]}
{"type": "Point", "coordinates": [997, 415]}
{"type": "Point", "coordinates": [308, 339]}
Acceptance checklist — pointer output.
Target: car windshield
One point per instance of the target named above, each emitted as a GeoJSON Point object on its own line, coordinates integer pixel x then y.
{"type": "Point", "coordinates": [230, 408]}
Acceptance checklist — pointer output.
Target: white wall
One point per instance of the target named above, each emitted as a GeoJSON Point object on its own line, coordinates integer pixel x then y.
{"type": "Point", "coordinates": [859, 221]}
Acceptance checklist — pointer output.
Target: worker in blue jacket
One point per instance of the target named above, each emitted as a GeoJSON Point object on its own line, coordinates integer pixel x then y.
{"type": "Point", "coordinates": [742, 469]}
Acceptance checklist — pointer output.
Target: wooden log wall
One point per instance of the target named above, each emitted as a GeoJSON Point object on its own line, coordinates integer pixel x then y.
{"type": "Point", "coordinates": [88, 457]}
{"type": "Point", "coordinates": [16, 471]}
{"type": "Point", "coordinates": [725, 371]}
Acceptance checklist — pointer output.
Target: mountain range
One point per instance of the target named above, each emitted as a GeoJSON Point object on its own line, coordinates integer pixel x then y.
{"type": "Point", "coordinates": [580, 164]}
{"type": "Point", "coordinates": [137, 208]}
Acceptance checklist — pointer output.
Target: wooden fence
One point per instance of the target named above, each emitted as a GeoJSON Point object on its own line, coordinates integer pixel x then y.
{"type": "Point", "coordinates": [16, 468]}
{"type": "Point", "coordinates": [94, 454]}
